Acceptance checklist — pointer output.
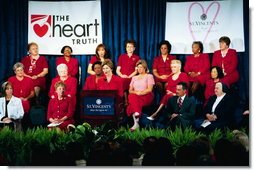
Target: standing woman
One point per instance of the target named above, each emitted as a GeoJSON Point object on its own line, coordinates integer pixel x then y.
{"type": "Point", "coordinates": [23, 87]}
{"type": "Point", "coordinates": [35, 67]}
{"type": "Point", "coordinates": [161, 66]}
{"type": "Point", "coordinates": [101, 55]}
{"type": "Point", "coordinates": [60, 109]}
{"type": "Point", "coordinates": [11, 109]}
{"type": "Point", "coordinates": [197, 67]}
{"type": "Point", "coordinates": [226, 58]}
{"type": "Point", "coordinates": [140, 92]}
{"type": "Point", "coordinates": [67, 59]}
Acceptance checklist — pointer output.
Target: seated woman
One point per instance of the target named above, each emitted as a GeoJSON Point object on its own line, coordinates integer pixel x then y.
{"type": "Point", "coordinates": [216, 76]}
{"type": "Point", "coordinates": [226, 58]}
{"type": "Point", "coordinates": [218, 110]}
{"type": "Point", "coordinates": [140, 92]}
{"type": "Point", "coordinates": [11, 110]}
{"type": "Point", "coordinates": [60, 109]}
{"type": "Point", "coordinates": [176, 77]}
{"type": "Point", "coordinates": [36, 68]}
{"type": "Point", "coordinates": [161, 66]}
{"type": "Point", "coordinates": [23, 87]}
{"type": "Point", "coordinates": [197, 67]}
{"type": "Point", "coordinates": [91, 82]}
{"type": "Point", "coordinates": [72, 63]}
{"type": "Point", "coordinates": [70, 82]}
{"type": "Point", "coordinates": [101, 55]}
{"type": "Point", "coordinates": [110, 81]}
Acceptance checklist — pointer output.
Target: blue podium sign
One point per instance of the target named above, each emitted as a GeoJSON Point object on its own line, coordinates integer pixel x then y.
{"type": "Point", "coordinates": [99, 106]}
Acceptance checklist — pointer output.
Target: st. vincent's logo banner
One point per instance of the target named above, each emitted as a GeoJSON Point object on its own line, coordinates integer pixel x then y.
{"type": "Point", "coordinates": [204, 21]}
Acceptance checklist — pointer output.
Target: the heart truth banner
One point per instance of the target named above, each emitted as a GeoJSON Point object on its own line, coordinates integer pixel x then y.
{"type": "Point", "coordinates": [204, 21]}
{"type": "Point", "coordinates": [55, 24]}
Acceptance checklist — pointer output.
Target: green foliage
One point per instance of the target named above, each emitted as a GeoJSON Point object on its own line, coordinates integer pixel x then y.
{"type": "Point", "coordinates": [17, 147]}
{"type": "Point", "coordinates": [181, 137]}
{"type": "Point", "coordinates": [215, 136]}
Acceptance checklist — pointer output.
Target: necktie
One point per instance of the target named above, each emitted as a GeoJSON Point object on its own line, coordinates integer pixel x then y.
{"type": "Point", "coordinates": [180, 102]}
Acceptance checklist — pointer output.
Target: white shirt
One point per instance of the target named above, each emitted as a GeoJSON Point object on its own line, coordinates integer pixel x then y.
{"type": "Point", "coordinates": [217, 101]}
{"type": "Point", "coordinates": [14, 108]}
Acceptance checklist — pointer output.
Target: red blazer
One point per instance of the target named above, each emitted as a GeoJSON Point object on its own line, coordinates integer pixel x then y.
{"type": "Point", "coordinates": [60, 108]}
{"type": "Point", "coordinates": [229, 63]}
{"type": "Point", "coordinates": [198, 64]}
{"type": "Point", "coordinates": [90, 83]}
{"type": "Point", "coordinates": [163, 68]}
{"type": "Point", "coordinates": [114, 84]}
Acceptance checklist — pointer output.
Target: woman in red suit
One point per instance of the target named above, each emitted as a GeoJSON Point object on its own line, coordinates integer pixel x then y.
{"type": "Point", "coordinates": [61, 108]}
{"type": "Point", "coordinates": [216, 76]}
{"type": "Point", "coordinates": [101, 55]}
{"type": "Point", "coordinates": [197, 67]}
{"type": "Point", "coordinates": [173, 80]}
{"type": "Point", "coordinates": [91, 82]}
{"type": "Point", "coordinates": [67, 59]}
{"type": "Point", "coordinates": [35, 67]}
{"type": "Point", "coordinates": [161, 66]}
{"type": "Point", "coordinates": [23, 87]}
{"type": "Point", "coordinates": [70, 82]}
{"type": "Point", "coordinates": [141, 94]}
{"type": "Point", "coordinates": [110, 81]}
{"type": "Point", "coordinates": [226, 58]}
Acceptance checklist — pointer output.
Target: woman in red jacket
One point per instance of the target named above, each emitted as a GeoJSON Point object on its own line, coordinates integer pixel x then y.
{"type": "Point", "coordinates": [60, 109]}
{"type": "Point", "coordinates": [226, 58]}
{"type": "Point", "coordinates": [110, 81]}
{"type": "Point", "coordinates": [197, 67]}
{"type": "Point", "coordinates": [67, 59]}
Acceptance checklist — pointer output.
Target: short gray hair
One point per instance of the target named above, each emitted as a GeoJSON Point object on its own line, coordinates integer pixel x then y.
{"type": "Point", "coordinates": [18, 65]}
{"type": "Point", "coordinates": [61, 67]}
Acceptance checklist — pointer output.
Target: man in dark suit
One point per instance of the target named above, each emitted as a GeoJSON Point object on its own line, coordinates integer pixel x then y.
{"type": "Point", "coordinates": [218, 111]}
{"type": "Point", "coordinates": [180, 110]}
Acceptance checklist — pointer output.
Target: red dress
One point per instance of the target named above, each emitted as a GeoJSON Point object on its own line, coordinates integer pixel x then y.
{"type": "Point", "coordinates": [60, 108]}
{"type": "Point", "coordinates": [72, 65]}
{"type": "Point", "coordinates": [163, 68]}
{"type": "Point", "coordinates": [198, 64]}
{"type": "Point", "coordinates": [35, 67]}
{"type": "Point", "coordinates": [172, 86]}
{"type": "Point", "coordinates": [128, 65]}
{"type": "Point", "coordinates": [228, 63]}
{"type": "Point", "coordinates": [22, 88]}
{"type": "Point", "coordinates": [90, 83]}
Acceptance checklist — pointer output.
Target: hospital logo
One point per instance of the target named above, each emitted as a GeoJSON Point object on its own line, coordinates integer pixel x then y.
{"type": "Point", "coordinates": [41, 24]}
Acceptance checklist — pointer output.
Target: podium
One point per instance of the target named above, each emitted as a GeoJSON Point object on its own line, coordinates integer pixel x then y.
{"type": "Point", "coordinates": [98, 106]}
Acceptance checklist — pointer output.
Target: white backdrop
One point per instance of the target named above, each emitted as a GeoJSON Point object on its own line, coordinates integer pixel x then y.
{"type": "Point", "coordinates": [204, 21]}
{"type": "Point", "coordinates": [55, 24]}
